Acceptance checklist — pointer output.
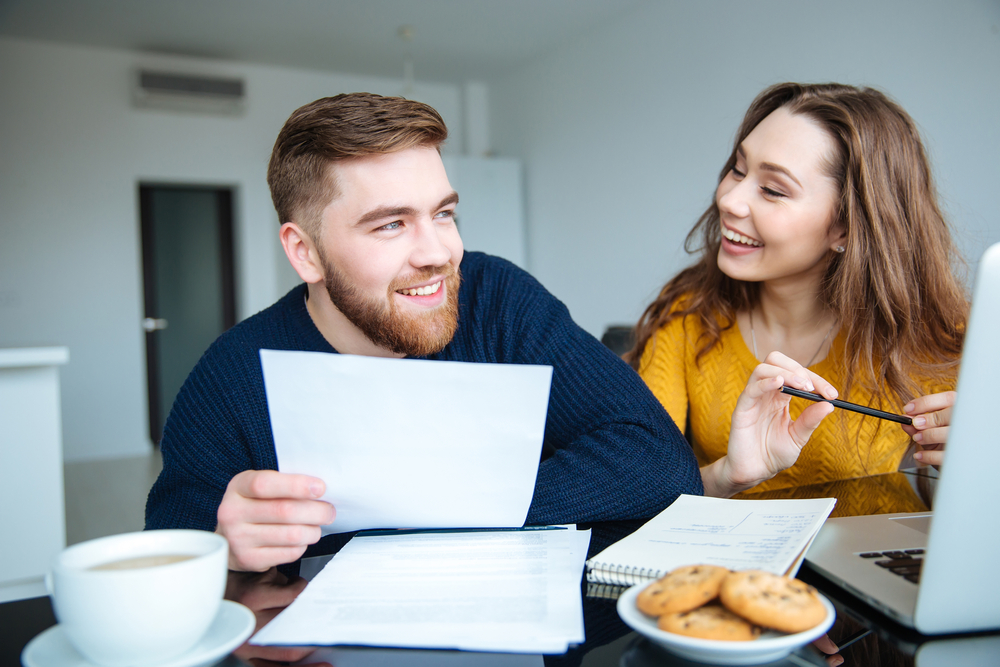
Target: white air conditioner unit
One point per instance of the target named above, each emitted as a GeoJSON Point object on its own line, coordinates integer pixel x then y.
{"type": "Point", "coordinates": [186, 92]}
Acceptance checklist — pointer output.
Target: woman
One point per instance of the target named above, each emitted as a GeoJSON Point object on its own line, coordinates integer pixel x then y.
{"type": "Point", "coordinates": [826, 257]}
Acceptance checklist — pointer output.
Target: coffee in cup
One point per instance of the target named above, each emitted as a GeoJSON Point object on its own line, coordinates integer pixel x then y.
{"type": "Point", "coordinates": [142, 561]}
{"type": "Point", "coordinates": [139, 598]}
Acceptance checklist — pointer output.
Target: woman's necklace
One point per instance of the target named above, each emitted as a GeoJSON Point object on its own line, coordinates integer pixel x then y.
{"type": "Point", "coordinates": [753, 339]}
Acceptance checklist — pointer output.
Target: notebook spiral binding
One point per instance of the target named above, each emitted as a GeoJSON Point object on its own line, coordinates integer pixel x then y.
{"type": "Point", "coordinates": [622, 575]}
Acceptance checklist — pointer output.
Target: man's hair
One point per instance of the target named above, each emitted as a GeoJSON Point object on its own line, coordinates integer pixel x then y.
{"type": "Point", "coordinates": [331, 129]}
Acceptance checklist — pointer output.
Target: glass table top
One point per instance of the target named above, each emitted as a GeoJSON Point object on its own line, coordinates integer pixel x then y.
{"type": "Point", "coordinates": [876, 639]}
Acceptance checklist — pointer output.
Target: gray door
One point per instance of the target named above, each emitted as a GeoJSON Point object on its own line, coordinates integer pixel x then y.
{"type": "Point", "coordinates": [187, 251]}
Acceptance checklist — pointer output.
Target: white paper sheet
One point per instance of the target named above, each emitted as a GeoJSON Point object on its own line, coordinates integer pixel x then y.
{"type": "Point", "coordinates": [406, 443]}
{"type": "Point", "coordinates": [351, 656]}
{"type": "Point", "coordinates": [769, 535]}
{"type": "Point", "coordinates": [513, 591]}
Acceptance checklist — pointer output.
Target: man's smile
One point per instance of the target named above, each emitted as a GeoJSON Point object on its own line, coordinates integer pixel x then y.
{"type": "Point", "coordinates": [425, 290]}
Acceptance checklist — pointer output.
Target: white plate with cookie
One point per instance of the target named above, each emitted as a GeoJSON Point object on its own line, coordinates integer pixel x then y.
{"type": "Point", "coordinates": [770, 646]}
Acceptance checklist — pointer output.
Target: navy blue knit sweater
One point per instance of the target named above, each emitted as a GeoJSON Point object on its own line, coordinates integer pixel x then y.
{"type": "Point", "coordinates": [610, 451]}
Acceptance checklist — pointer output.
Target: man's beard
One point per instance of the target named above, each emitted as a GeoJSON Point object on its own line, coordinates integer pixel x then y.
{"type": "Point", "coordinates": [380, 320]}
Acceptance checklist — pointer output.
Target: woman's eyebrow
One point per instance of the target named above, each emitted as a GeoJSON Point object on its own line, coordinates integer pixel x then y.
{"type": "Point", "coordinates": [769, 166]}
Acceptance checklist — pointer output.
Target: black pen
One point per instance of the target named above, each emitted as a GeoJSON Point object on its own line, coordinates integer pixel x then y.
{"type": "Point", "coordinates": [853, 407]}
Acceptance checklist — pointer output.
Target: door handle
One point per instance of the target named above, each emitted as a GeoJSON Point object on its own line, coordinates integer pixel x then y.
{"type": "Point", "coordinates": [151, 324]}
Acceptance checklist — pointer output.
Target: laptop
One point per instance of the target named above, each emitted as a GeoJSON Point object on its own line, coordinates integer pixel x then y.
{"type": "Point", "coordinates": [945, 578]}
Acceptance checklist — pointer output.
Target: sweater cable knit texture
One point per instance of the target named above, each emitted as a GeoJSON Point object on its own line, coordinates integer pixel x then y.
{"type": "Point", "coordinates": [610, 451]}
{"type": "Point", "coordinates": [701, 395]}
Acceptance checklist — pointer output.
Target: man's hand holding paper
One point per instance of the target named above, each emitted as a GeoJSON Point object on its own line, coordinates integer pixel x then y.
{"type": "Point", "coordinates": [398, 443]}
{"type": "Point", "coordinates": [270, 517]}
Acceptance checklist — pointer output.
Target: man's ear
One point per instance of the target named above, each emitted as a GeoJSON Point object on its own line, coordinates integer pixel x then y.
{"type": "Point", "coordinates": [301, 253]}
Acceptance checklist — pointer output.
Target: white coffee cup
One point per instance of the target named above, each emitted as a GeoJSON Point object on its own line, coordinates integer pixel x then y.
{"type": "Point", "coordinates": [144, 614]}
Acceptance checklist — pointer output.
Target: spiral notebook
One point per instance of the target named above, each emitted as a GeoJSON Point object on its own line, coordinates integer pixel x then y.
{"type": "Point", "coordinates": [770, 535]}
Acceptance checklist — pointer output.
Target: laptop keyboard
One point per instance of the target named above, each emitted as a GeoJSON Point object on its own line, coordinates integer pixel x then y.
{"type": "Point", "coordinates": [905, 562]}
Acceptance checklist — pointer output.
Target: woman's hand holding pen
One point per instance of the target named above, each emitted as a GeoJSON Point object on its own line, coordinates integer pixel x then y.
{"type": "Point", "coordinates": [763, 438]}
{"type": "Point", "coordinates": [931, 418]}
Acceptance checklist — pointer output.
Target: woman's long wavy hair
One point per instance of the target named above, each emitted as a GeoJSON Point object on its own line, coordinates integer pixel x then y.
{"type": "Point", "coordinates": [895, 287]}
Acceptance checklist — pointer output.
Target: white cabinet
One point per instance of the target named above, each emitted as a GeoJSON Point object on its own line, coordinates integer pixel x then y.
{"type": "Point", "coordinates": [32, 519]}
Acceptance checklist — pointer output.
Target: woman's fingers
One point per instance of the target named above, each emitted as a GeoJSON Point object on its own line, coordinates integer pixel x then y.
{"type": "Point", "coordinates": [759, 385]}
{"type": "Point", "coordinates": [810, 418]}
{"type": "Point", "coordinates": [931, 403]}
{"type": "Point", "coordinates": [797, 376]}
{"type": "Point", "coordinates": [933, 456]}
{"type": "Point", "coordinates": [931, 436]}
{"type": "Point", "coordinates": [931, 422]}
{"type": "Point", "coordinates": [826, 645]}
{"type": "Point", "coordinates": [935, 423]}
{"type": "Point", "coordinates": [931, 417]}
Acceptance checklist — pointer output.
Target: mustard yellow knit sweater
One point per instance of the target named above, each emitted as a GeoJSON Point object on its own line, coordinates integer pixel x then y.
{"type": "Point", "coordinates": [701, 397]}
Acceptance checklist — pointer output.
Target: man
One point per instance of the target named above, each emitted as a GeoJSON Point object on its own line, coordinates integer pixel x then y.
{"type": "Point", "coordinates": [369, 225]}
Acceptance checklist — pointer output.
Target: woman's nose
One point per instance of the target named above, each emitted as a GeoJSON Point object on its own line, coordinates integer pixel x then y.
{"type": "Point", "coordinates": [731, 198]}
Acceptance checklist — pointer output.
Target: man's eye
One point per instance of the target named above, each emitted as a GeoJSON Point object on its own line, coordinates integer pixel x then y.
{"type": "Point", "coordinates": [445, 214]}
{"type": "Point", "coordinates": [391, 226]}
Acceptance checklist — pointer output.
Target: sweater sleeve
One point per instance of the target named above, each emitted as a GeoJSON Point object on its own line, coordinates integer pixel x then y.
{"type": "Point", "coordinates": [610, 450]}
{"type": "Point", "coordinates": [204, 446]}
{"type": "Point", "coordinates": [662, 368]}
{"type": "Point", "coordinates": [217, 428]}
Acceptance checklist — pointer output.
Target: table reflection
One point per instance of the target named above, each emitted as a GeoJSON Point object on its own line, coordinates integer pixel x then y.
{"type": "Point", "coordinates": [611, 643]}
{"type": "Point", "coordinates": [908, 490]}
{"type": "Point", "coordinates": [266, 595]}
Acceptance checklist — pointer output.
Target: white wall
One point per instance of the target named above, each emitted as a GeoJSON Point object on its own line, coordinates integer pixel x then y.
{"type": "Point", "coordinates": [623, 131]}
{"type": "Point", "coordinates": [72, 151]}
{"type": "Point", "coordinates": [491, 212]}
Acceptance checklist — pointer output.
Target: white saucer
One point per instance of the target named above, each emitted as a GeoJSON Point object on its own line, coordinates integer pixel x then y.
{"type": "Point", "coordinates": [228, 631]}
{"type": "Point", "coordinates": [768, 647]}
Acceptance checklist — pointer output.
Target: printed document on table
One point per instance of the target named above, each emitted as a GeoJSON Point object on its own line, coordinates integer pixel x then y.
{"type": "Point", "coordinates": [409, 443]}
{"type": "Point", "coordinates": [510, 591]}
{"type": "Point", "coordinates": [351, 656]}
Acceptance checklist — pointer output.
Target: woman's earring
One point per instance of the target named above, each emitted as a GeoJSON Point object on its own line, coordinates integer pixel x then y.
{"type": "Point", "coordinates": [840, 248]}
